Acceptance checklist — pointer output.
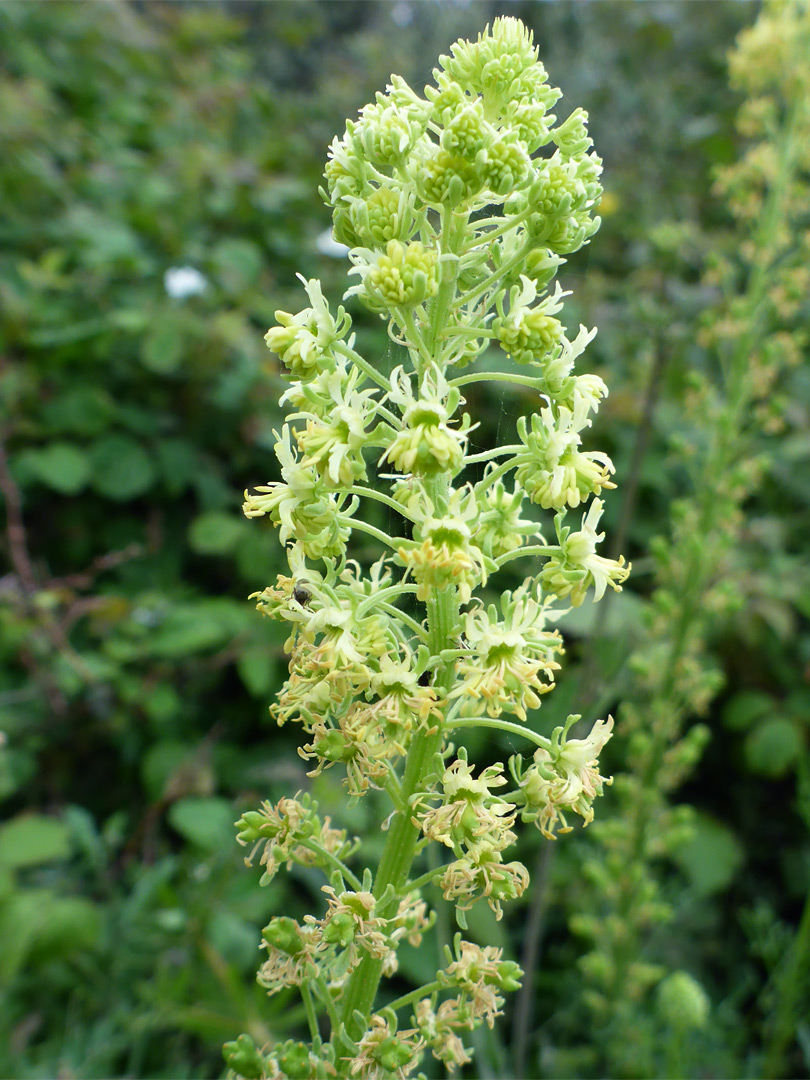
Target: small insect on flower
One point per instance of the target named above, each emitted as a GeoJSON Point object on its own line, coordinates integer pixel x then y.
{"type": "Point", "coordinates": [301, 593]}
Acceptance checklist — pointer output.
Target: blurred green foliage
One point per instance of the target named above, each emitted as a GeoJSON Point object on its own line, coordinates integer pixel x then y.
{"type": "Point", "coordinates": [137, 140]}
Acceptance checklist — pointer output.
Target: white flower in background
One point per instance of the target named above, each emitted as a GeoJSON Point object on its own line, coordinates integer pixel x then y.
{"type": "Point", "coordinates": [183, 281]}
{"type": "Point", "coordinates": [328, 245]}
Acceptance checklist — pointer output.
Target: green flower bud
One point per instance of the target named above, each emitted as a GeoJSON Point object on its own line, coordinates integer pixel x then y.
{"type": "Point", "coordinates": [385, 215]}
{"type": "Point", "coordinates": [529, 122]}
{"type": "Point", "coordinates": [449, 178]}
{"type": "Point", "coordinates": [339, 930]}
{"type": "Point", "coordinates": [503, 166]}
{"type": "Point", "coordinates": [392, 1054]}
{"type": "Point", "coordinates": [406, 275]}
{"type": "Point", "coordinates": [556, 193]}
{"type": "Point", "coordinates": [577, 566]}
{"type": "Point", "coordinates": [346, 172]}
{"type": "Point", "coordinates": [466, 133]}
{"type": "Point", "coordinates": [253, 825]}
{"type": "Point", "coordinates": [509, 976]}
{"type": "Point", "coordinates": [682, 1002]}
{"type": "Point", "coordinates": [334, 746]}
{"type": "Point", "coordinates": [553, 471]}
{"type": "Point", "coordinates": [500, 521]}
{"type": "Point", "coordinates": [284, 934]}
{"type": "Point", "coordinates": [384, 134]}
{"type": "Point", "coordinates": [446, 102]}
{"type": "Point", "coordinates": [427, 445]}
{"type": "Point", "coordinates": [530, 338]}
{"type": "Point", "coordinates": [491, 65]}
{"type": "Point", "coordinates": [304, 341]}
{"type": "Point", "coordinates": [295, 1060]}
{"type": "Point", "coordinates": [572, 136]}
{"type": "Point", "coordinates": [243, 1057]}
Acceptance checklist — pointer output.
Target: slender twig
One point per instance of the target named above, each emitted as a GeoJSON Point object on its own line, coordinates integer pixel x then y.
{"type": "Point", "coordinates": [15, 527]}
{"type": "Point", "coordinates": [533, 933]}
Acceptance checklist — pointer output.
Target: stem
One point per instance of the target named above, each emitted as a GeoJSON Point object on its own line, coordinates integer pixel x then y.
{"type": "Point", "coordinates": [535, 382]}
{"type": "Point", "coordinates": [403, 835]}
{"type": "Point", "coordinates": [442, 621]}
{"type": "Point", "coordinates": [309, 1006]}
{"type": "Point", "coordinates": [543, 550]}
{"type": "Point", "coordinates": [418, 630]}
{"type": "Point", "coordinates": [496, 474]}
{"type": "Point", "coordinates": [380, 496]}
{"type": "Point", "coordinates": [488, 455]}
{"type": "Point", "coordinates": [383, 594]}
{"type": "Point", "coordinates": [378, 534]}
{"type": "Point", "coordinates": [415, 995]}
{"type": "Point", "coordinates": [790, 986]}
{"type": "Point", "coordinates": [427, 878]}
{"type": "Point", "coordinates": [363, 364]}
{"type": "Point", "coordinates": [333, 860]}
{"type": "Point", "coordinates": [393, 790]}
{"type": "Point", "coordinates": [328, 1001]}
{"type": "Point", "coordinates": [500, 725]}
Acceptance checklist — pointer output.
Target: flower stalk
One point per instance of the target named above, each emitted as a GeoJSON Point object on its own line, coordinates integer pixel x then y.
{"type": "Point", "coordinates": [456, 227]}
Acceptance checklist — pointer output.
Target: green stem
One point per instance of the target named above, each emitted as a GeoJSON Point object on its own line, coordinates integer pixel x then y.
{"type": "Point", "coordinates": [442, 621]}
{"type": "Point", "coordinates": [428, 878]}
{"type": "Point", "coordinates": [383, 594]}
{"type": "Point", "coordinates": [364, 365]}
{"type": "Point", "coordinates": [333, 860]}
{"type": "Point", "coordinates": [790, 987]}
{"type": "Point", "coordinates": [488, 455]}
{"type": "Point", "coordinates": [403, 835]}
{"type": "Point", "coordinates": [415, 995]}
{"type": "Point", "coordinates": [500, 725]}
{"type": "Point", "coordinates": [378, 534]}
{"type": "Point", "coordinates": [535, 382]}
{"type": "Point", "coordinates": [496, 474]}
{"type": "Point", "coordinates": [380, 496]}
{"type": "Point", "coordinates": [397, 613]}
{"type": "Point", "coordinates": [309, 1006]}
{"type": "Point", "coordinates": [328, 1001]}
{"type": "Point", "coordinates": [543, 550]}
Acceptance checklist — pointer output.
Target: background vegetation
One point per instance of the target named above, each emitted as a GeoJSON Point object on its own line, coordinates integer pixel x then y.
{"type": "Point", "coordinates": [136, 139]}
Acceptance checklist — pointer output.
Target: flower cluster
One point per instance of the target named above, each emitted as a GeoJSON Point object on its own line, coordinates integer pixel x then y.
{"type": "Point", "coordinates": [476, 825]}
{"type": "Point", "coordinates": [458, 207]}
{"type": "Point", "coordinates": [563, 776]}
{"type": "Point", "coordinates": [507, 662]}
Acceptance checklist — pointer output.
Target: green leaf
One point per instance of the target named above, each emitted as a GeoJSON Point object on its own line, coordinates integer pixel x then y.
{"type": "Point", "coordinates": [234, 939]}
{"type": "Point", "coordinates": [710, 857]}
{"type": "Point", "coordinates": [38, 921]}
{"type": "Point", "coordinates": [160, 761]}
{"type": "Point", "coordinates": [215, 533]}
{"type": "Point", "coordinates": [773, 747]}
{"type": "Point", "coordinates": [237, 264]}
{"type": "Point", "coordinates": [61, 466]}
{"type": "Point", "coordinates": [205, 821]}
{"type": "Point", "coordinates": [163, 348]}
{"type": "Point", "coordinates": [83, 410]}
{"type": "Point", "coordinates": [19, 921]}
{"type": "Point", "coordinates": [192, 628]}
{"type": "Point", "coordinates": [178, 463]}
{"type": "Point", "coordinates": [257, 670]}
{"type": "Point", "coordinates": [31, 839]}
{"type": "Point", "coordinates": [122, 469]}
{"type": "Point", "coordinates": [72, 925]}
{"type": "Point", "coordinates": [745, 708]}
